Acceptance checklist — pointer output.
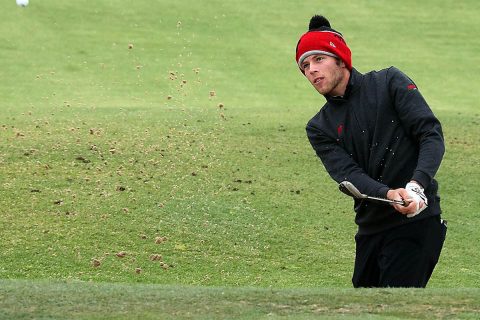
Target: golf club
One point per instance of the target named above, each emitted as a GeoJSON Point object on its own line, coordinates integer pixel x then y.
{"type": "Point", "coordinates": [350, 190]}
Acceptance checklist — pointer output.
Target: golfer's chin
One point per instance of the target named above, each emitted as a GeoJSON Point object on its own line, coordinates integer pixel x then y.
{"type": "Point", "coordinates": [322, 90]}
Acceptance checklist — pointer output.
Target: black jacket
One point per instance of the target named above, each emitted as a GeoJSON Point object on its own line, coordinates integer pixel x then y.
{"type": "Point", "coordinates": [380, 135]}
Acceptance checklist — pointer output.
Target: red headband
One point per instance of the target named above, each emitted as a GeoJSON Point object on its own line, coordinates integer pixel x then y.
{"type": "Point", "coordinates": [323, 42]}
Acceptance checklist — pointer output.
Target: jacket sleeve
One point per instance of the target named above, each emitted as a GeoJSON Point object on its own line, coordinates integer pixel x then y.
{"type": "Point", "coordinates": [420, 124]}
{"type": "Point", "coordinates": [340, 165]}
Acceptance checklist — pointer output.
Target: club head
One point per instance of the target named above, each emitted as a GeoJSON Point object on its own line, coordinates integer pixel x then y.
{"type": "Point", "coordinates": [350, 190]}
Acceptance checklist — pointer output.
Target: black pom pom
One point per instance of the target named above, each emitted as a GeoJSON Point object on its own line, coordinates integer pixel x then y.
{"type": "Point", "coordinates": [318, 22]}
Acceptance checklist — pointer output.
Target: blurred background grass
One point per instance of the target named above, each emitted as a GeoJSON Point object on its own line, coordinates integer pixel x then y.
{"type": "Point", "coordinates": [122, 124]}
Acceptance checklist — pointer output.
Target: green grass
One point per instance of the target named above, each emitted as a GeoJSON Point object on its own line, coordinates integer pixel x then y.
{"type": "Point", "coordinates": [75, 300]}
{"type": "Point", "coordinates": [196, 136]}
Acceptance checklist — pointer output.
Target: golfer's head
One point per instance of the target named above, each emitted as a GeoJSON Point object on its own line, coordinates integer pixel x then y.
{"type": "Point", "coordinates": [321, 39]}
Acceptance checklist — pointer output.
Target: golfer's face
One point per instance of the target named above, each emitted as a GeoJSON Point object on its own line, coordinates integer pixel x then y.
{"type": "Point", "coordinates": [324, 73]}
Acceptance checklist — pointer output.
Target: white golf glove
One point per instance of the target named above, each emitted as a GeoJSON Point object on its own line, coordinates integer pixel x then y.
{"type": "Point", "coordinates": [416, 194]}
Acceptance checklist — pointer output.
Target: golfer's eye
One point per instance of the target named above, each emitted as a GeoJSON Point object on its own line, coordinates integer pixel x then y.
{"type": "Point", "coordinates": [305, 65]}
{"type": "Point", "coordinates": [318, 59]}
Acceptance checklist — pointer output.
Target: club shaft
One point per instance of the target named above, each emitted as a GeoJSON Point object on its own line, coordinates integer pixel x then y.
{"type": "Point", "coordinates": [387, 200]}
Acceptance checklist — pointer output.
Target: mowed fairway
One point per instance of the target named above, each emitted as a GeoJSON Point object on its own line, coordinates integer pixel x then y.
{"type": "Point", "coordinates": [160, 144]}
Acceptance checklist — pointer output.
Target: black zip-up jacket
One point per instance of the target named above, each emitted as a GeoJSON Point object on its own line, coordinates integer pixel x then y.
{"type": "Point", "coordinates": [380, 135]}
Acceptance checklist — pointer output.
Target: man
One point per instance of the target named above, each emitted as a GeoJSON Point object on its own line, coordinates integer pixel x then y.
{"type": "Point", "coordinates": [377, 132]}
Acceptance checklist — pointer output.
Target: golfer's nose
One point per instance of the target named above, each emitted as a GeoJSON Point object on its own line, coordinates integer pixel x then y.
{"type": "Point", "coordinates": [313, 68]}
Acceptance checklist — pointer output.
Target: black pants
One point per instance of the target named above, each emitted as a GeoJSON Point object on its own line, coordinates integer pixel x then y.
{"type": "Point", "coordinates": [404, 256]}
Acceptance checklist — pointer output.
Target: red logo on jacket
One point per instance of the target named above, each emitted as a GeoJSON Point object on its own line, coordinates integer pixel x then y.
{"type": "Point", "coordinates": [411, 87]}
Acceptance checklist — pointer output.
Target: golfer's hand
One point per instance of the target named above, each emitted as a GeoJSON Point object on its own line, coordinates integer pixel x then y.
{"type": "Point", "coordinates": [416, 193]}
{"type": "Point", "coordinates": [402, 195]}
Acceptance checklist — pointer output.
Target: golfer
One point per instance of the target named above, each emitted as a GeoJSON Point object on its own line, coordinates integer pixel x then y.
{"type": "Point", "coordinates": [377, 132]}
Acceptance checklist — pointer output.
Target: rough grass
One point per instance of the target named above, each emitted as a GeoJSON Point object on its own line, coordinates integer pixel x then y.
{"type": "Point", "coordinates": [76, 300]}
{"type": "Point", "coordinates": [182, 159]}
